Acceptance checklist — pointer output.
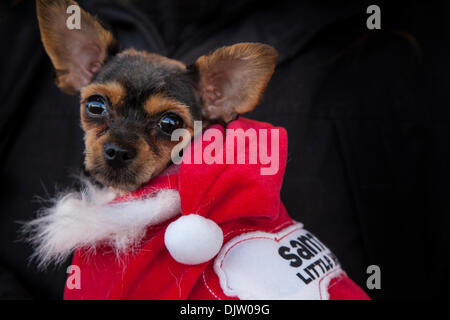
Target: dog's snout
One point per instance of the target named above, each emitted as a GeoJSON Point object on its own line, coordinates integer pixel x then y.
{"type": "Point", "coordinates": [118, 156]}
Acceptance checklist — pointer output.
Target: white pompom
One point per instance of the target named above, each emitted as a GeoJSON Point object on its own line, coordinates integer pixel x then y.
{"type": "Point", "coordinates": [193, 239]}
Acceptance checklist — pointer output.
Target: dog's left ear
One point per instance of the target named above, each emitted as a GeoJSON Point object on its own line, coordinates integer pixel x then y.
{"type": "Point", "coordinates": [76, 54]}
{"type": "Point", "coordinates": [232, 79]}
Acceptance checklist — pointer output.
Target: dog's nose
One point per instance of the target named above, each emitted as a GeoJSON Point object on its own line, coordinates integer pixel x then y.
{"type": "Point", "coordinates": [117, 156]}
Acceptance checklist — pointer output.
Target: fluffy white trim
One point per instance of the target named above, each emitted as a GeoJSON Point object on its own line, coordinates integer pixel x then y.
{"type": "Point", "coordinates": [85, 220]}
{"type": "Point", "coordinates": [193, 239]}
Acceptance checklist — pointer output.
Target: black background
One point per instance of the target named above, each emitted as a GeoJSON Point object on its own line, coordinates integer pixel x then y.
{"type": "Point", "coordinates": [367, 113]}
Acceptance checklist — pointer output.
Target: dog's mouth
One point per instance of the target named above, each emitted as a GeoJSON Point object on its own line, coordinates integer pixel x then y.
{"type": "Point", "coordinates": [124, 174]}
{"type": "Point", "coordinates": [124, 180]}
{"type": "Point", "coordinates": [116, 181]}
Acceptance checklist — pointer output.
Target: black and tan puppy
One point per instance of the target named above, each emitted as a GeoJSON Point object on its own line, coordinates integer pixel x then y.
{"type": "Point", "coordinates": [131, 101]}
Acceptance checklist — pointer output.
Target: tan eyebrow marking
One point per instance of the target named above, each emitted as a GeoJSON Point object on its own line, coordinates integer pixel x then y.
{"type": "Point", "coordinates": [158, 103]}
{"type": "Point", "coordinates": [113, 90]}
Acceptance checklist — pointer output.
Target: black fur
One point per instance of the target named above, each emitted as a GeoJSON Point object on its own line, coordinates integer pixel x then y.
{"type": "Point", "coordinates": [142, 77]}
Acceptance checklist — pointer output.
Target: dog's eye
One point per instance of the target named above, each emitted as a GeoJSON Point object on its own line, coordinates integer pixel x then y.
{"type": "Point", "coordinates": [169, 122]}
{"type": "Point", "coordinates": [96, 106]}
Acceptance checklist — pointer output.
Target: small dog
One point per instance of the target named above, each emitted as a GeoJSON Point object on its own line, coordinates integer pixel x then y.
{"type": "Point", "coordinates": [206, 229]}
{"type": "Point", "coordinates": [131, 101]}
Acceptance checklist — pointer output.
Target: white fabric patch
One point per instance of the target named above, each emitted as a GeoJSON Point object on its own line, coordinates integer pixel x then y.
{"type": "Point", "coordinates": [291, 264]}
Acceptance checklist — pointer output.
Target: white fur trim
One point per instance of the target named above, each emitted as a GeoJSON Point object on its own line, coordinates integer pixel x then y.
{"type": "Point", "coordinates": [193, 239]}
{"type": "Point", "coordinates": [85, 220]}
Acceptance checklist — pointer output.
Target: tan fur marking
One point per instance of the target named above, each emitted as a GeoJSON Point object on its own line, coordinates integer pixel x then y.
{"type": "Point", "coordinates": [114, 91]}
{"type": "Point", "coordinates": [159, 103]}
{"type": "Point", "coordinates": [94, 145]}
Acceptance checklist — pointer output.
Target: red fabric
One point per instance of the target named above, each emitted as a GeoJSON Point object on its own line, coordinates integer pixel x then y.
{"type": "Point", "coordinates": [235, 196]}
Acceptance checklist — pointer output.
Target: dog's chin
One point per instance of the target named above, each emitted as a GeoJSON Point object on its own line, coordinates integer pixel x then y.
{"type": "Point", "coordinates": [124, 180]}
{"type": "Point", "coordinates": [119, 186]}
{"type": "Point", "coordinates": [122, 183]}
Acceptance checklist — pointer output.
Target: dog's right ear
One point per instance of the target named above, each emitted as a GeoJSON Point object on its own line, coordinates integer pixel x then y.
{"type": "Point", "coordinates": [232, 79]}
{"type": "Point", "coordinates": [77, 54]}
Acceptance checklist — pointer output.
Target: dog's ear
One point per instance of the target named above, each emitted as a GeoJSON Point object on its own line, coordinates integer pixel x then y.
{"type": "Point", "coordinates": [232, 79]}
{"type": "Point", "coordinates": [76, 54]}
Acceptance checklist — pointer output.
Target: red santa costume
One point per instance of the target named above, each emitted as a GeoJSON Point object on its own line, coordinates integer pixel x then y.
{"type": "Point", "coordinates": [197, 231]}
